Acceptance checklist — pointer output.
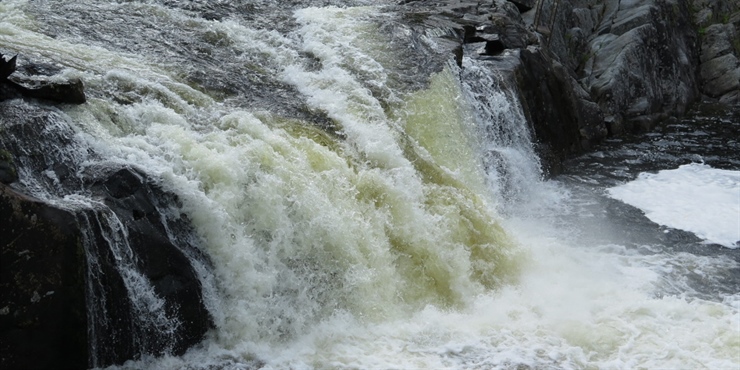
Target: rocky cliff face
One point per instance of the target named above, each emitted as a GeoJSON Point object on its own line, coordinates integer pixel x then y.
{"type": "Point", "coordinates": [43, 321]}
{"type": "Point", "coordinates": [639, 62]}
{"type": "Point", "coordinates": [718, 25]}
{"type": "Point", "coordinates": [588, 69]}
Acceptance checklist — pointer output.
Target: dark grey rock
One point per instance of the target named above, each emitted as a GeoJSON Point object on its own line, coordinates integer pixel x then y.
{"type": "Point", "coordinates": [43, 323]}
{"type": "Point", "coordinates": [524, 5]}
{"type": "Point", "coordinates": [72, 91]}
{"type": "Point", "coordinates": [641, 65]}
{"type": "Point", "coordinates": [8, 172]}
{"type": "Point", "coordinates": [563, 121]}
{"type": "Point", "coordinates": [731, 98]}
{"type": "Point", "coordinates": [717, 41]}
{"type": "Point", "coordinates": [720, 67]}
{"type": "Point", "coordinates": [32, 80]}
{"type": "Point", "coordinates": [7, 67]}
{"type": "Point", "coordinates": [584, 19]}
{"type": "Point", "coordinates": [138, 203]}
{"type": "Point", "coordinates": [633, 16]}
{"type": "Point", "coordinates": [59, 240]}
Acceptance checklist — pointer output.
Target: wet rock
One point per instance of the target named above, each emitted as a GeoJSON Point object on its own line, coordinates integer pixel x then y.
{"type": "Point", "coordinates": [48, 248]}
{"type": "Point", "coordinates": [640, 66]}
{"type": "Point", "coordinates": [563, 118]}
{"type": "Point", "coordinates": [139, 205]}
{"type": "Point", "coordinates": [43, 323]}
{"type": "Point", "coordinates": [72, 91]}
{"type": "Point", "coordinates": [717, 41]}
{"type": "Point", "coordinates": [33, 82]}
{"type": "Point", "coordinates": [524, 5]}
{"type": "Point", "coordinates": [720, 75]}
{"type": "Point", "coordinates": [7, 67]}
{"type": "Point", "coordinates": [719, 70]}
{"type": "Point", "coordinates": [8, 172]}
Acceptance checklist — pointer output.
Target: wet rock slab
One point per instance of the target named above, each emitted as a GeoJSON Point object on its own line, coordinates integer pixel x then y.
{"type": "Point", "coordinates": [21, 83]}
{"type": "Point", "coordinates": [61, 282]}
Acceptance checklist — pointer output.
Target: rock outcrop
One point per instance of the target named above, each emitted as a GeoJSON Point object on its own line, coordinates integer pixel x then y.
{"type": "Point", "coordinates": [36, 85]}
{"type": "Point", "coordinates": [588, 69]}
{"type": "Point", "coordinates": [43, 316]}
{"type": "Point", "coordinates": [67, 268]}
{"type": "Point", "coordinates": [718, 24]}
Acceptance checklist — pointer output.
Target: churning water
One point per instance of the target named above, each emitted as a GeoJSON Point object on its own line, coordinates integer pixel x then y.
{"type": "Point", "coordinates": [362, 209]}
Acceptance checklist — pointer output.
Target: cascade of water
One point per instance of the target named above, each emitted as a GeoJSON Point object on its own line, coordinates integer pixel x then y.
{"type": "Point", "coordinates": [350, 222]}
{"type": "Point", "coordinates": [127, 315]}
{"type": "Point", "coordinates": [505, 142]}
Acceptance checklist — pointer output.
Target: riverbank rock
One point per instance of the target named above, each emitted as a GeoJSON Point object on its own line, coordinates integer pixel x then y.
{"type": "Point", "coordinates": [7, 66]}
{"type": "Point", "coordinates": [638, 63]}
{"type": "Point", "coordinates": [64, 298]}
{"type": "Point", "coordinates": [30, 82]}
{"type": "Point", "coordinates": [718, 24]}
{"type": "Point", "coordinates": [589, 69]}
{"type": "Point", "coordinates": [168, 265]}
{"type": "Point", "coordinates": [43, 322]}
{"type": "Point", "coordinates": [8, 171]}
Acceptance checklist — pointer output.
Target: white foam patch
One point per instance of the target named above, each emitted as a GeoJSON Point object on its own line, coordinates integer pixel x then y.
{"type": "Point", "coordinates": [694, 197]}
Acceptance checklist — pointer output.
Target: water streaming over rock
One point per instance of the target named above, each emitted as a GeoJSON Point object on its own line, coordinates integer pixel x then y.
{"type": "Point", "coordinates": [339, 203]}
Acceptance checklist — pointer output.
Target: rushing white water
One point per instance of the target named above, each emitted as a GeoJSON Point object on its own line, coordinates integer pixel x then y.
{"type": "Point", "coordinates": [693, 197]}
{"type": "Point", "coordinates": [379, 245]}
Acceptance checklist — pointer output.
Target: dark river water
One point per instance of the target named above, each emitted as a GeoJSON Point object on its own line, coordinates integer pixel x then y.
{"type": "Point", "coordinates": [708, 135]}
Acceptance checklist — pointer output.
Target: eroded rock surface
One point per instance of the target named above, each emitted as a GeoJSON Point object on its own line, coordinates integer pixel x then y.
{"type": "Point", "coordinates": [30, 81]}
{"type": "Point", "coordinates": [70, 251]}
{"type": "Point", "coordinates": [587, 69]}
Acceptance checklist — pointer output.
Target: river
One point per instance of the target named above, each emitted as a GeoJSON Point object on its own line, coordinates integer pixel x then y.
{"type": "Point", "coordinates": [363, 210]}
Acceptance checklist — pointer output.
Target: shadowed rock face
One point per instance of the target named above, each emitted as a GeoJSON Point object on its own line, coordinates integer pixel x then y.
{"type": "Point", "coordinates": [36, 85]}
{"type": "Point", "coordinates": [588, 69]}
{"type": "Point", "coordinates": [43, 320]}
{"type": "Point", "coordinates": [647, 72]}
{"type": "Point", "coordinates": [719, 32]}
{"type": "Point", "coordinates": [7, 66]}
{"type": "Point", "coordinates": [64, 296]}
{"type": "Point", "coordinates": [140, 207]}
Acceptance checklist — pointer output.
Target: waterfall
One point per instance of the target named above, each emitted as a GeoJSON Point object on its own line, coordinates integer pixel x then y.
{"type": "Point", "coordinates": [337, 202]}
{"type": "Point", "coordinates": [509, 158]}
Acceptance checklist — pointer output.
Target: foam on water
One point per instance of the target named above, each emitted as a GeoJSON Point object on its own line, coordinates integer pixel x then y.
{"type": "Point", "coordinates": [575, 307]}
{"type": "Point", "coordinates": [694, 197]}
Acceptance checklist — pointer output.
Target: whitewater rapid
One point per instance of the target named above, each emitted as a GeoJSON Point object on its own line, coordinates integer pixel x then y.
{"type": "Point", "coordinates": [383, 239]}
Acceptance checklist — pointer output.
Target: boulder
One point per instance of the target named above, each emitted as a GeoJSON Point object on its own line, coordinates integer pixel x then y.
{"type": "Point", "coordinates": [72, 91]}
{"type": "Point", "coordinates": [164, 255]}
{"type": "Point", "coordinates": [719, 70]}
{"type": "Point", "coordinates": [43, 316]}
{"type": "Point", "coordinates": [720, 75]}
{"type": "Point", "coordinates": [36, 85]}
{"type": "Point", "coordinates": [524, 5]}
{"type": "Point", "coordinates": [8, 172]}
{"type": "Point", "coordinates": [717, 41]}
{"type": "Point", "coordinates": [118, 225]}
{"type": "Point", "coordinates": [7, 67]}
